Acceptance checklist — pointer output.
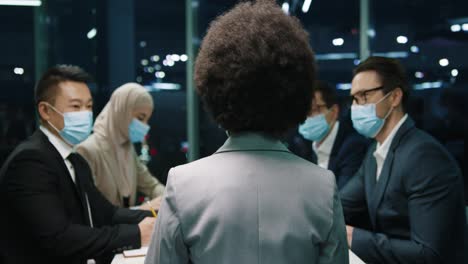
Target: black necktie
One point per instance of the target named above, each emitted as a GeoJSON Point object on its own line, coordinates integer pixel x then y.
{"type": "Point", "coordinates": [78, 167]}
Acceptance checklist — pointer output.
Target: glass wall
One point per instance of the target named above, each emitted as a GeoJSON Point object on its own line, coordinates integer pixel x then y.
{"type": "Point", "coordinates": [145, 41]}
{"type": "Point", "coordinates": [431, 40]}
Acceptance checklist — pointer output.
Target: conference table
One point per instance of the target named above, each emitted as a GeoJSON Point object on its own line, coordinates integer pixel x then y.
{"type": "Point", "coordinates": [120, 259]}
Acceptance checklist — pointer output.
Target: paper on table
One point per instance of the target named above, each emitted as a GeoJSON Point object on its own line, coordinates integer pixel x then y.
{"type": "Point", "coordinates": [141, 252]}
{"type": "Point", "coordinates": [353, 259]}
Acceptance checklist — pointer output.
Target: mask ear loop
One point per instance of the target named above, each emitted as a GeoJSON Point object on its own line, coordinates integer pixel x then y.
{"type": "Point", "coordinates": [58, 112]}
{"type": "Point", "coordinates": [325, 115]}
{"type": "Point", "coordinates": [391, 109]}
{"type": "Point", "coordinates": [55, 109]}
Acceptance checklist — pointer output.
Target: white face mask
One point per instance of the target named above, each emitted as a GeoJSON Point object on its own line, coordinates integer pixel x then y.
{"type": "Point", "coordinates": [365, 119]}
{"type": "Point", "coordinates": [315, 128]}
{"type": "Point", "coordinates": [77, 126]}
{"type": "Point", "coordinates": [137, 130]}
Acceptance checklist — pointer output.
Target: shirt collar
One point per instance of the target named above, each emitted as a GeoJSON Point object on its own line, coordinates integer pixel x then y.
{"type": "Point", "coordinates": [246, 141]}
{"type": "Point", "coordinates": [327, 145]}
{"type": "Point", "coordinates": [63, 148]}
{"type": "Point", "coordinates": [382, 149]}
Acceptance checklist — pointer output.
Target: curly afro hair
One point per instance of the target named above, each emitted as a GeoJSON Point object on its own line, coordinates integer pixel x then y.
{"type": "Point", "coordinates": [255, 70]}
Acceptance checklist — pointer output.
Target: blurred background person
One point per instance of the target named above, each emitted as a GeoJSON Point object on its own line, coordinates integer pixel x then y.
{"type": "Point", "coordinates": [253, 201]}
{"type": "Point", "coordinates": [405, 204]}
{"type": "Point", "coordinates": [118, 172]}
{"type": "Point", "coordinates": [326, 141]}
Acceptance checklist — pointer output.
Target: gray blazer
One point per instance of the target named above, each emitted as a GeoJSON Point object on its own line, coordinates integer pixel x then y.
{"type": "Point", "coordinates": [252, 201]}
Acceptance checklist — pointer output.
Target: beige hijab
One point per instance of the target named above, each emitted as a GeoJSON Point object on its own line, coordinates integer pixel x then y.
{"type": "Point", "coordinates": [112, 126]}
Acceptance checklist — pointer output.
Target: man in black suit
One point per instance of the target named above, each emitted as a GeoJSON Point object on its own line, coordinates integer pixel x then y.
{"type": "Point", "coordinates": [52, 211]}
{"type": "Point", "coordinates": [405, 204]}
{"type": "Point", "coordinates": [326, 141]}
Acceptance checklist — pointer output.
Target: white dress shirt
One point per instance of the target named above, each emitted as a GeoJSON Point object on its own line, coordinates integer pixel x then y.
{"type": "Point", "coordinates": [323, 151]}
{"type": "Point", "coordinates": [63, 148]}
{"type": "Point", "coordinates": [381, 151]}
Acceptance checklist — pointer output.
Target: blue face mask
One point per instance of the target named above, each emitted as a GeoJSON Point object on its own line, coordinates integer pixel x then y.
{"type": "Point", "coordinates": [315, 128]}
{"type": "Point", "coordinates": [365, 119]}
{"type": "Point", "coordinates": [77, 126]}
{"type": "Point", "coordinates": [137, 130]}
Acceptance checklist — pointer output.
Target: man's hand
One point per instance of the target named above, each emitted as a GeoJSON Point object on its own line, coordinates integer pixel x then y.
{"type": "Point", "coordinates": [146, 229]}
{"type": "Point", "coordinates": [349, 234]}
{"type": "Point", "coordinates": [155, 203]}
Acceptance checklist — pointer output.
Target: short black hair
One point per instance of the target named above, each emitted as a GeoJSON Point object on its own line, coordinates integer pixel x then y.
{"type": "Point", "coordinates": [391, 72]}
{"type": "Point", "coordinates": [328, 93]}
{"type": "Point", "coordinates": [255, 69]}
{"type": "Point", "coordinates": [48, 84]}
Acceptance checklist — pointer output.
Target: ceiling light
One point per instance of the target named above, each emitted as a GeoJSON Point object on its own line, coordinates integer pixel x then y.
{"type": "Point", "coordinates": [285, 8]}
{"type": "Point", "coordinates": [18, 71]}
{"type": "Point", "coordinates": [465, 27]}
{"type": "Point", "coordinates": [21, 2]}
{"type": "Point", "coordinates": [402, 39]}
{"type": "Point", "coordinates": [338, 42]}
{"type": "Point", "coordinates": [92, 33]}
{"type": "Point", "coordinates": [175, 57]}
{"type": "Point", "coordinates": [414, 49]}
{"type": "Point", "coordinates": [455, 28]}
{"type": "Point", "coordinates": [160, 74]}
{"type": "Point", "coordinates": [444, 62]}
{"type": "Point", "coordinates": [419, 75]}
{"type": "Point", "coordinates": [306, 6]}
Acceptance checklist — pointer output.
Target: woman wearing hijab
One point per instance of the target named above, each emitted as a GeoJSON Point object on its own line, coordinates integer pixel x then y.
{"type": "Point", "coordinates": [118, 173]}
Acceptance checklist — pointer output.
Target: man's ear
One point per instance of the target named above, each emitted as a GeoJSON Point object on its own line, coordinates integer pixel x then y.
{"type": "Point", "coordinates": [397, 97]}
{"type": "Point", "coordinates": [44, 111]}
{"type": "Point", "coordinates": [335, 110]}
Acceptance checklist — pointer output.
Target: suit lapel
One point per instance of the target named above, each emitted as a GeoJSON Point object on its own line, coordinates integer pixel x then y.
{"type": "Point", "coordinates": [313, 156]}
{"type": "Point", "coordinates": [381, 184]}
{"type": "Point", "coordinates": [63, 170]}
{"type": "Point", "coordinates": [336, 147]}
{"type": "Point", "coordinates": [80, 184]}
{"type": "Point", "coordinates": [377, 194]}
{"type": "Point", "coordinates": [369, 181]}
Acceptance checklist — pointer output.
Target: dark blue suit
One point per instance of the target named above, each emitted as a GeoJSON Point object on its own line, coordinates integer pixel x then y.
{"type": "Point", "coordinates": [414, 213]}
{"type": "Point", "coordinates": [346, 156]}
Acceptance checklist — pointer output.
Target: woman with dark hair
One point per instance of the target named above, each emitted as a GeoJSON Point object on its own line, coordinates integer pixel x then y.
{"type": "Point", "coordinates": [252, 201]}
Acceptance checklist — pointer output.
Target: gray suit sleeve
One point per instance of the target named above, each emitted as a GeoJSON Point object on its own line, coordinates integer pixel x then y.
{"type": "Point", "coordinates": [335, 249]}
{"type": "Point", "coordinates": [167, 244]}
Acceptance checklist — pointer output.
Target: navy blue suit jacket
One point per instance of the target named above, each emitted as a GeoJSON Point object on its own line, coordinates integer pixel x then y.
{"type": "Point", "coordinates": [415, 212]}
{"type": "Point", "coordinates": [346, 156]}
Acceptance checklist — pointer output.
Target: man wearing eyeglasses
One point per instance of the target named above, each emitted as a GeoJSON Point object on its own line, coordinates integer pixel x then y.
{"type": "Point", "coordinates": [327, 141]}
{"type": "Point", "coordinates": [405, 204]}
